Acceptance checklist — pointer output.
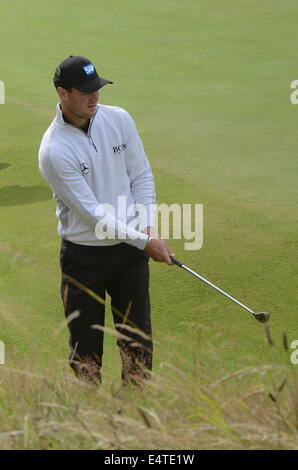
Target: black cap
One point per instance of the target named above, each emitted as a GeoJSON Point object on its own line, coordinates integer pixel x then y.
{"type": "Point", "coordinates": [78, 72]}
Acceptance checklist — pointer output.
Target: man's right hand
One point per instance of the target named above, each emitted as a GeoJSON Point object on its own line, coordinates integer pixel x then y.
{"type": "Point", "coordinates": [158, 250]}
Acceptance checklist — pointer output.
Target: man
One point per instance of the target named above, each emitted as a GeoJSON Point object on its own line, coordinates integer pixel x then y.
{"type": "Point", "coordinates": [91, 155]}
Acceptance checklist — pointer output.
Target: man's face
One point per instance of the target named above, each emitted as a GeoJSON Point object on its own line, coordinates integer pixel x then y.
{"type": "Point", "coordinates": [79, 104]}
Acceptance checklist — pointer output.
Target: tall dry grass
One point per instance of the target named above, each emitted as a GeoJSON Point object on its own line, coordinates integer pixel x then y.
{"type": "Point", "coordinates": [251, 408]}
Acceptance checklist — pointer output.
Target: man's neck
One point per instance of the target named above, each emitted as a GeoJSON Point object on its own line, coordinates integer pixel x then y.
{"type": "Point", "coordinates": [71, 118]}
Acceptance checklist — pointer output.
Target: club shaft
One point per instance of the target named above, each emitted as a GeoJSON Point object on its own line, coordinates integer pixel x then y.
{"type": "Point", "coordinates": [215, 287]}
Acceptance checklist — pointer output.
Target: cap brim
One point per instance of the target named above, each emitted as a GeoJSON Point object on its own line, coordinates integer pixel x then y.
{"type": "Point", "coordinates": [93, 85]}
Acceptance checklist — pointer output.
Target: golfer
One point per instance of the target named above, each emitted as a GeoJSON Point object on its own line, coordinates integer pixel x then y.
{"type": "Point", "coordinates": [92, 157]}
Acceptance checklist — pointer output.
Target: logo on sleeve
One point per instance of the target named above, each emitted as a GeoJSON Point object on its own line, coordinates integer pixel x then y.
{"type": "Point", "coordinates": [89, 69]}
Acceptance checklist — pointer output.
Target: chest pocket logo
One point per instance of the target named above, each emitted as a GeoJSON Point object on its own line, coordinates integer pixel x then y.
{"type": "Point", "coordinates": [85, 169]}
{"type": "Point", "coordinates": [119, 149]}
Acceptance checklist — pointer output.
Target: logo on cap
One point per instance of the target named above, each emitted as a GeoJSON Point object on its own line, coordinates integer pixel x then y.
{"type": "Point", "coordinates": [89, 69]}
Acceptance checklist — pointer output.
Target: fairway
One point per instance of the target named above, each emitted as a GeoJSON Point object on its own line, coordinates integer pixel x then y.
{"type": "Point", "coordinates": [208, 85]}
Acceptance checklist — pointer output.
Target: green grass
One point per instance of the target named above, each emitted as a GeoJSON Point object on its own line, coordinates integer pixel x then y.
{"type": "Point", "coordinates": [208, 84]}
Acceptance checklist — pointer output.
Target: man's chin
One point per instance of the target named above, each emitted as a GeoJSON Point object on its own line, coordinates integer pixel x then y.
{"type": "Point", "coordinates": [92, 110]}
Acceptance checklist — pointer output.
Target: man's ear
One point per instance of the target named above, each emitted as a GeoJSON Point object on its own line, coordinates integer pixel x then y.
{"type": "Point", "coordinates": [61, 92]}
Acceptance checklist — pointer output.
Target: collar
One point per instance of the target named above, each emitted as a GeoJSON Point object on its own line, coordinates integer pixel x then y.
{"type": "Point", "coordinates": [61, 122]}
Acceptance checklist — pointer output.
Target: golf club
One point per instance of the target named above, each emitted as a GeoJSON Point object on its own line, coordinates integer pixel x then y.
{"type": "Point", "coordinates": [263, 317]}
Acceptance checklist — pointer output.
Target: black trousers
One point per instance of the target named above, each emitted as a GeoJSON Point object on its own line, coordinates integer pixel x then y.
{"type": "Point", "coordinates": [87, 274]}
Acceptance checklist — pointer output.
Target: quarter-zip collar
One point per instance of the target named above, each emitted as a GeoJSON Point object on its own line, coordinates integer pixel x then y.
{"type": "Point", "coordinates": [60, 121]}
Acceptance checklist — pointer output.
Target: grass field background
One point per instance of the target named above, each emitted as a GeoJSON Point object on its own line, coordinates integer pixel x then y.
{"type": "Point", "coordinates": [208, 84]}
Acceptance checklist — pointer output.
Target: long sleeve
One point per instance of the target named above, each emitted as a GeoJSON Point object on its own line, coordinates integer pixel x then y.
{"type": "Point", "coordinates": [139, 171]}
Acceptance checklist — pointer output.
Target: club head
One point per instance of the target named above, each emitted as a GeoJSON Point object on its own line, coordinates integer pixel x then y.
{"type": "Point", "coordinates": [263, 317]}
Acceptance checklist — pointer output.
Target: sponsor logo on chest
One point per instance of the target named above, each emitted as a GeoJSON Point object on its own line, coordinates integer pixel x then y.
{"type": "Point", "coordinates": [85, 169]}
{"type": "Point", "coordinates": [119, 148]}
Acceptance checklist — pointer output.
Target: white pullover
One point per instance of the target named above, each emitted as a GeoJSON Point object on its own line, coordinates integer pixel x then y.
{"type": "Point", "coordinates": [87, 171]}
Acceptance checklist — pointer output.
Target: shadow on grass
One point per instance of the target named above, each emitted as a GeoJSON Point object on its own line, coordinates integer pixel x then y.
{"type": "Point", "coordinates": [3, 166]}
{"type": "Point", "coordinates": [15, 195]}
